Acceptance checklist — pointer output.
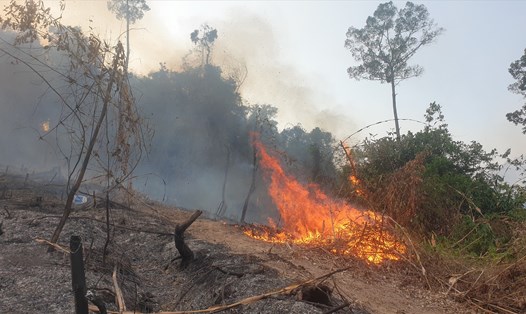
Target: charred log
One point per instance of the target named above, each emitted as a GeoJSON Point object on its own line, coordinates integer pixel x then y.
{"type": "Point", "coordinates": [78, 278]}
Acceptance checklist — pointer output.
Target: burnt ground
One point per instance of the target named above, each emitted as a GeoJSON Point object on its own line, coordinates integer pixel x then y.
{"type": "Point", "coordinates": [228, 266]}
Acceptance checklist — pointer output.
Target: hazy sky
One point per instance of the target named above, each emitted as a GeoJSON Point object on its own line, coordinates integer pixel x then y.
{"type": "Point", "coordinates": [296, 60]}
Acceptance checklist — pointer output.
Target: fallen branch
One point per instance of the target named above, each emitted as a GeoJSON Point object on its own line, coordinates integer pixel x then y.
{"type": "Point", "coordinates": [55, 245]}
{"type": "Point", "coordinates": [118, 292]}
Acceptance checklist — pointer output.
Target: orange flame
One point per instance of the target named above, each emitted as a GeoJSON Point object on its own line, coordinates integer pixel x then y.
{"type": "Point", "coordinates": [353, 179]}
{"type": "Point", "coordinates": [310, 217]}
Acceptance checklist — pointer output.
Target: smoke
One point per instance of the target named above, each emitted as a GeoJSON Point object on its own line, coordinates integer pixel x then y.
{"type": "Point", "coordinates": [24, 113]}
{"type": "Point", "coordinates": [201, 126]}
{"type": "Point", "coordinates": [247, 41]}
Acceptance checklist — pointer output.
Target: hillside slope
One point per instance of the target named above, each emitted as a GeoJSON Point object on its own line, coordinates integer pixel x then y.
{"type": "Point", "coordinates": [228, 267]}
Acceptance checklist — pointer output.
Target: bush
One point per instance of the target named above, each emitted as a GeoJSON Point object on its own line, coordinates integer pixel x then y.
{"type": "Point", "coordinates": [428, 181]}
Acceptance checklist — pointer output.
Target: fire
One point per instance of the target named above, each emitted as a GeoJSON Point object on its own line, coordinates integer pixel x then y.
{"type": "Point", "coordinates": [45, 126]}
{"type": "Point", "coordinates": [353, 179]}
{"type": "Point", "coordinates": [355, 182]}
{"type": "Point", "coordinates": [310, 217]}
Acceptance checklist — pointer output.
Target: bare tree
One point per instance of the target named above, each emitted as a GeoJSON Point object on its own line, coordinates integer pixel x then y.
{"type": "Point", "coordinates": [83, 73]}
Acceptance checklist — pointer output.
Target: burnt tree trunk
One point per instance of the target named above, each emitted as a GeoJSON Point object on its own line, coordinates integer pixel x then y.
{"type": "Point", "coordinates": [223, 206]}
{"type": "Point", "coordinates": [78, 277]}
{"type": "Point", "coordinates": [252, 185]}
{"type": "Point", "coordinates": [187, 255]}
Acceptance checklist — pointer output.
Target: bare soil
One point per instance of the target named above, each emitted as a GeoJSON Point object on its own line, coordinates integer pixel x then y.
{"type": "Point", "coordinates": [228, 265]}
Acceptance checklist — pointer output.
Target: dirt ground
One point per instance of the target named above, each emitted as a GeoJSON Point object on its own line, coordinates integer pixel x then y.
{"type": "Point", "coordinates": [228, 265]}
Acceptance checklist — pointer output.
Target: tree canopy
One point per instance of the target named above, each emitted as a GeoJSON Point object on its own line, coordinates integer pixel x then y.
{"type": "Point", "coordinates": [386, 43]}
{"type": "Point", "coordinates": [130, 10]}
{"type": "Point", "coordinates": [204, 39]}
{"type": "Point", "coordinates": [518, 72]}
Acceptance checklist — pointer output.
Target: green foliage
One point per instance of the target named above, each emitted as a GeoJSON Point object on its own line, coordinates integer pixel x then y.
{"type": "Point", "coordinates": [459, 178]}
{"type": "Point", "coordinates": [472, 237]}
{"type": "Point", "coordinates": [489, 237]}
{"type": "Point", "coordinates": [518, 71]}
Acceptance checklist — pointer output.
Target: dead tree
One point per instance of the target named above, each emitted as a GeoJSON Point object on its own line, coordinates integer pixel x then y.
{"type": "Point", "coordinates": [86, 84]}
{"type": "Point", "coordinates": [221, 209]}
{"type": "Point", "coordinates": [87, 156]}
{"type": "Point", "coordinates": [252, 184]}
{"type": "Point", "coordinates": [186, 254]}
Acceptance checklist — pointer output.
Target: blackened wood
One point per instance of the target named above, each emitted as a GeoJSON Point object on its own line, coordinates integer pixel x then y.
{"type": "Point", "coordinates": [252, 184]}
{"type": "Point", "coordinates": [99, 303]}
{"type": "Point", "coordinates": [186, 254]}
{"type": "Point", "coordinates": [78, 278]}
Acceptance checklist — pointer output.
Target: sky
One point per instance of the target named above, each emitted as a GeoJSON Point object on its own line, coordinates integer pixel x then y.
{"type": "Point", "coordinates": [295, 58]}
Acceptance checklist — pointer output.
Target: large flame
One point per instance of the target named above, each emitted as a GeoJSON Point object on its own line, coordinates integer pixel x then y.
{"type": "Point", "coordinates": [309, 216]}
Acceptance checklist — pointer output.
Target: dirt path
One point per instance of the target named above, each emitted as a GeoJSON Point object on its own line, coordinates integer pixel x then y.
{"type": "Point", "coordinates": [379, 289]}
{"type": "Point", "coordinates": [229, 265]}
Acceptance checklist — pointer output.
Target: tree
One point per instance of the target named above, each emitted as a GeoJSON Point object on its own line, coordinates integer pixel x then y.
{"type": "Point", "coordinates": [261, 118]}
{"type": "Point", "coordinates": [82, 73]}
{"type": "Point", "coordinates": [205, 42]}
{"type": "Point", "coordinates": [428, 180]}
{"type": "Point", "coordinates": [518, 71]}
{"type": "Point", "coordinates": [132, 11]}
{"type": "Point", "coordinates": [387, 42]}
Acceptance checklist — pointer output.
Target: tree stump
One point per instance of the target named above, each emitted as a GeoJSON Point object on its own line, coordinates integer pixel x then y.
{"type": "Point", "coordinates": [187, 255]}
{"type": "Point", "coordinates": [78, 277]}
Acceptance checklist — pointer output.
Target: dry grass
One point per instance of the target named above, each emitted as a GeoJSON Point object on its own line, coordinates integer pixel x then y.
{"type": "Point", "coordinates": [400, 195]}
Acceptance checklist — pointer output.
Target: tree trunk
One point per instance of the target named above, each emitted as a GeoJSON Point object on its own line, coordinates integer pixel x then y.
{"type": "Point", "coordinates": [223, 206]}
{"type": "Point", "coordinates": [393, 92]}
{"type": "Point", "coordinates": [252, 186]}
{"type": "Point", "coordinates": [78, 277]}
{"type": "Point", "coordinates": [186, 253]}
{"type": "Point", "coordinates": [127, 36]}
